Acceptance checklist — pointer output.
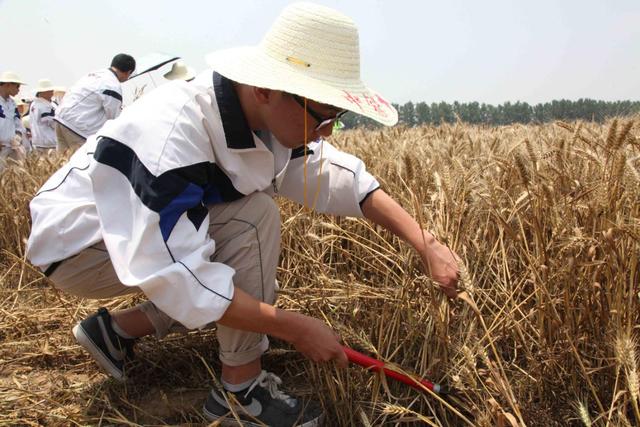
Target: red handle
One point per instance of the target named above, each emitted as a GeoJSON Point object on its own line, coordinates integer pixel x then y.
{"type": "Point", "coordinates": [377, 366]}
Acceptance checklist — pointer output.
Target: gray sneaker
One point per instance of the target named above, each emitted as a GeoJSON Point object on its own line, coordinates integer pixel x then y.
{"type": "Point", "coordinates": [262, 403]}
{"type": "Point", "coordinates": [109, 349]}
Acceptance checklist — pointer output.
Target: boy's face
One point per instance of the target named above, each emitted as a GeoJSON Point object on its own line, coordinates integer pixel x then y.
{"type": "Point", "coordinates": [123, 76]}
{"type": "Point", "coordinates": [46, 95]}
{"type": "Point", "coordinates": [287, 120]}
{"type": "Point", "coordinates": [12, 89]}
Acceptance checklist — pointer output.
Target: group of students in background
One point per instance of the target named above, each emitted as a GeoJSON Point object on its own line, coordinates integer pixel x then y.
{"type": "Point", "coordinates": [57, 119]}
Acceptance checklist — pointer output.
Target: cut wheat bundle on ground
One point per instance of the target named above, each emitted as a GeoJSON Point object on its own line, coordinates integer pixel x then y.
{"type": "Point", "coordinates": [546, 218]}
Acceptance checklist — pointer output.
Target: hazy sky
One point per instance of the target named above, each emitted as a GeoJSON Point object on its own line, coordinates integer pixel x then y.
{"type": "Point", "coordinates": [488, 51]}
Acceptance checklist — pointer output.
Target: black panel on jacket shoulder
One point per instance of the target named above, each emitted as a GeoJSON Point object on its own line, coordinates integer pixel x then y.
{"type": "Point", "coordinates": [235, 125]}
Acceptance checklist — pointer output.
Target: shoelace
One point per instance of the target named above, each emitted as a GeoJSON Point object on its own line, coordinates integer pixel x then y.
{"type": "Point", "coordinates": [271, 381]}
{"type": "Point", "coordinates": [128, 347]}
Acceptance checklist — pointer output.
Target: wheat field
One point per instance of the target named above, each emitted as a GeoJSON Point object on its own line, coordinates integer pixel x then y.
{"type": "Point", "coordinates": [545, 217]}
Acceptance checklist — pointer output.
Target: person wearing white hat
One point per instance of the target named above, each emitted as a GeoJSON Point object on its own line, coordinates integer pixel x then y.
{"type": "Point", "coordinates": [180, 71]}
{"type": "Point", "coordinates": [26, 139]}
{"type": "Point", "coordinates": [174, 199]}
{"type": "Point", "coordinates": [11, 129]}
{"type": "Point", "coordinates": [23, 106]}
{"type": "Point", "coordinates": [94, 99]}
{"type": "Point", "coordinates": [42, 112]}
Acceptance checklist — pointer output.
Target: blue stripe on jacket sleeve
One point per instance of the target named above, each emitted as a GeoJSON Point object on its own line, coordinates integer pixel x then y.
{"type": "Point", "coordinates": [171, 213]}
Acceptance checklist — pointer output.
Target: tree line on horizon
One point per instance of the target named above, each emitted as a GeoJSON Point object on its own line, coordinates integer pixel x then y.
{"type": "Point", "coordinates": [421, 113]}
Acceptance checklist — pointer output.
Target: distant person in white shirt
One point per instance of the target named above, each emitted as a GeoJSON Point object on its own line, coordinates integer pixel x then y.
{"type": "Point", "coordinates": [94, 99]}
{"type": "Point", "coordinates": [11, 129]}
{"type": "Point", "coordinates": [42, 113]}
{"type": "Point", "coordinates": [180, 71]}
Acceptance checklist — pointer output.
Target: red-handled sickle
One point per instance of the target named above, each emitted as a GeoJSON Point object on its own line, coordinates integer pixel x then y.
{"type": "Point", "coordinates": [377, 366]}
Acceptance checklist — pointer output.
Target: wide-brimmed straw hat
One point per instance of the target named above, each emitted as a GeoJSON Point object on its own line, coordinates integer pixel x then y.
{"type": "Point", "coordinates": [180, 71]}
{"type": "Point", "coordinates": [11, 77]}
{"type": "Point", "coordinates": [311, 51]}
{"type": "Point", "coordinates": [44, 85]}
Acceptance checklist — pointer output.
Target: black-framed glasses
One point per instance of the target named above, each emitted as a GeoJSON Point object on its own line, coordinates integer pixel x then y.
{"type": "Point", "coordinates": [322, 121]}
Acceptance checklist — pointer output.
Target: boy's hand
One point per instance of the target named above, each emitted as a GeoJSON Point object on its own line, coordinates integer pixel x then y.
{"type": "Point", "coordinates": [318, 342]}
{"type": "Point", "coordinates": [441, 264]}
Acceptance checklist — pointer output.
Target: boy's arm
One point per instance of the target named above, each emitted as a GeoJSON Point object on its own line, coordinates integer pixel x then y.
{"type": "Point", "coordinates": [310, 336]}
{"type": "Point", "coordinates": [440, 262]}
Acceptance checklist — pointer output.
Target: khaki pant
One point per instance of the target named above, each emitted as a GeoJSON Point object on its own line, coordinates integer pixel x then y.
{"type": "Point", "coordinates": [247, 236]}
{"type": "Point", "coordinates": [67, 139]}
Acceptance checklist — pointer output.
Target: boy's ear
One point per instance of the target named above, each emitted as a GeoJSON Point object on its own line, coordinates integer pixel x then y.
{"type": "Point", "coordinates": [262, 95]}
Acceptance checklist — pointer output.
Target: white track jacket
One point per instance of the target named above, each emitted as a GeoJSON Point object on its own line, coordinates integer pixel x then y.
{"type": "Point", "coordinates": [94, 99]}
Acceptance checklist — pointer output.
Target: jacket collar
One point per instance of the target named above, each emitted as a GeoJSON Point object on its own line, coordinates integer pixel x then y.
{"type": "Point", "coordinates": [235, 125]}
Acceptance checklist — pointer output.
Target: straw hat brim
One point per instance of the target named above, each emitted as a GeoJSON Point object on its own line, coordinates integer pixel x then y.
{"type": "Point", "coordinates": [249, 65]}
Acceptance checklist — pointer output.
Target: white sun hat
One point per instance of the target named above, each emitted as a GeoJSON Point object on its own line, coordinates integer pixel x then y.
{"type": "Point", "coordinates": [44, 85]}
{"type": "Point", "coordinates": [180, 71]}
{"type": "Point", "coordinates": [311, 51]}
{"type": "Point", "coordinates": [11, 77]}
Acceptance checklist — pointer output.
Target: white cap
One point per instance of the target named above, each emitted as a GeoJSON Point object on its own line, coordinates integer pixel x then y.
{"type": "Point", "coordinates": [179, 71]}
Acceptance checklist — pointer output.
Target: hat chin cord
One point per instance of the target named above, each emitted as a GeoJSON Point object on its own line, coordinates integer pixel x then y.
{"type": "Point", "coordinates": [304, 187]}
{"type": "Point", "coordinates": [306, 141]}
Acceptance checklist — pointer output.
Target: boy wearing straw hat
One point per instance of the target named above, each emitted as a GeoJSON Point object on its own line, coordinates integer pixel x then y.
{"type": "Point", "coordinates": [42, 112]}
{"type": "Point", "coordinates": [11, 130]}
{"type": "Point", "coordinates": [174, 199]}
{"type": "Point", "coordinates": [94, 99]}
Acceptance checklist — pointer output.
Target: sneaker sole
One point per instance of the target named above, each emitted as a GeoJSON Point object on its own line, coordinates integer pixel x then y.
{"type": "Point", "coordinates": [87, 343]}
{"type": "Point", "coordinates": [230, 421]}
